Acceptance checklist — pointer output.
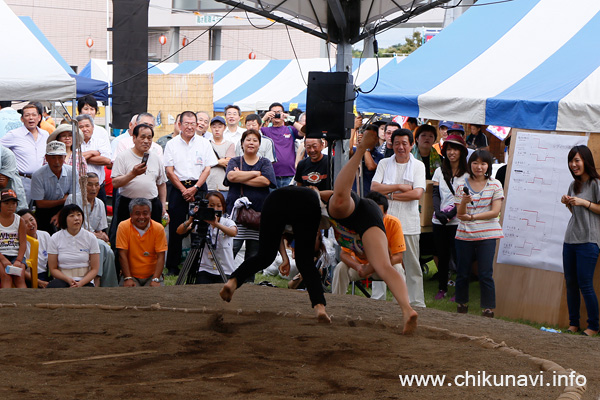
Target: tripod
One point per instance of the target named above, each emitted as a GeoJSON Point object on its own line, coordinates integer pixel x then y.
{"type": "Point", "coordinates": [189, 271]}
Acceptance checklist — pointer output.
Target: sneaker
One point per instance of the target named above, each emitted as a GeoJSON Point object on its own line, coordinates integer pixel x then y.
{"type": "Point", "coordinates": [440, 295]}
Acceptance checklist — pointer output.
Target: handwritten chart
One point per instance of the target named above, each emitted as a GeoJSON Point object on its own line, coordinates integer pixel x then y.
{"type": "Point", "coordinates": [534, 218]}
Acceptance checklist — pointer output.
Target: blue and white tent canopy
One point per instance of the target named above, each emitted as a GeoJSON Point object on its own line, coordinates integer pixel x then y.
{"type": "Point", "coordinates": [531, 64]}
{"type": "Point", "coordinates": [255, 84]}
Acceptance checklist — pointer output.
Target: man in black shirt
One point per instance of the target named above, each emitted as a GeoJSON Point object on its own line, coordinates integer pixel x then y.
{"type": "Point", "coordinates": [313, 170]}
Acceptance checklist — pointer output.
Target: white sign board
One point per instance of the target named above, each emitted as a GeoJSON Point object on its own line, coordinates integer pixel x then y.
{"type": "Point", "coordinates": [534, 218]}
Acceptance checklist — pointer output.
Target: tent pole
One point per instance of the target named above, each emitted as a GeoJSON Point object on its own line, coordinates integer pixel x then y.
{"type": "Point", "coordinates": [343, 64]}
{"type": "Point", "coordinates": [74, 129]}
{"type": "Point", "coordinates": [107, 105]}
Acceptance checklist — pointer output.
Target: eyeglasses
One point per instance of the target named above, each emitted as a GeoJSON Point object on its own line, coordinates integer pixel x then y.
{"type": "Point", "coordinates": [186, 124]}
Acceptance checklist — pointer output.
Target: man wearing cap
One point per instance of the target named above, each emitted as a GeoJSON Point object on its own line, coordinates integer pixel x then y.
{"type": "Point", "coordinates": [402, 178]}
{"type": "Point", "coordinates": [51, 185]}
{"type": "Point", "coordinates": [443, 133]}
{"type": "Point", "coordinates": [224, 150]}
{"type": "Point", "coordinates": [28, 143]}
{"type": "Point", "coordinates": [188, 159]}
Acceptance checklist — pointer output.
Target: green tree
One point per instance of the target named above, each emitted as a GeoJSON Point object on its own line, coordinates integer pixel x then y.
{"type": "Point", "coordinates": [412, 43]}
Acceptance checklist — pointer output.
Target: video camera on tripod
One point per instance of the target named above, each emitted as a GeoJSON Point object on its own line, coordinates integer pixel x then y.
{"type": "Point", "coordinates": [200, 239]}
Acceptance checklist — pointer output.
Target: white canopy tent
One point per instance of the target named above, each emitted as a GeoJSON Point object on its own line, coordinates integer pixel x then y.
{"type": "Point", "coordinates": [28, 71]}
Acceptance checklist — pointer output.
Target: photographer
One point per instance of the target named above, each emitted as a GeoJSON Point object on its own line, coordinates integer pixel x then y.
{"type": "Point", "coordinates": [221, 233]}
{"type": "Point", "coordinates": [284, 138]}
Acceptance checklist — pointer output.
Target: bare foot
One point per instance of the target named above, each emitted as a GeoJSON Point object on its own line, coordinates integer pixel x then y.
{"type": "Point", "coordinates": [369, 140]}
{"type": "Point", "coordinates": [322, 316]}
{"type": "Point", "coordinates": [410, 322]}
{"type": "Point", "coordinates": [589, 332]}
{"type": "Point", "coordinates": [226, 292]}
{"type": "Point", "coordinates": [573, 329]}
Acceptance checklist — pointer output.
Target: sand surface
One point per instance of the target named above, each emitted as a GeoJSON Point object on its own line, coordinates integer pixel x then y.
{"type": "Point", "coordinates": [265, 344]}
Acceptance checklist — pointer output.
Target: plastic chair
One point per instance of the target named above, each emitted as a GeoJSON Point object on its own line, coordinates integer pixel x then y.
{"type": "Point", "coordinates": [32, 261]}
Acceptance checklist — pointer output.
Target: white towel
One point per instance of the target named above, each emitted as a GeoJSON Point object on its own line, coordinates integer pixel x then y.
{"type": "Point", "coordinates": [241, 202]}
{"type": "Point", "coordinates": [389, 176]}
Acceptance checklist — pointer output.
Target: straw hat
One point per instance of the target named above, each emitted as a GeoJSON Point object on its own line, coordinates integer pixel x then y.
{"type": "Point", "coordinates": [62, 129]}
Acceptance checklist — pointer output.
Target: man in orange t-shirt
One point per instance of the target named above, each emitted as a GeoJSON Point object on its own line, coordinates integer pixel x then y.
{"type": "Point", "coordinates": [142, 244]}
{"type": "Point", "coordinates": [348, 269]}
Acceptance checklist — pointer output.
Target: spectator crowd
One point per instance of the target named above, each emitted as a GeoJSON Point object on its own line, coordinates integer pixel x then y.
{"type": "Point", "coordinates": [217, 163]}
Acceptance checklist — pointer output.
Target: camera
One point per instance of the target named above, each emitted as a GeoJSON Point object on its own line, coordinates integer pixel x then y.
{"type": "Point", "coordinates": [200, 211]}
{"type": "Point", "coordinates": [277, 115]}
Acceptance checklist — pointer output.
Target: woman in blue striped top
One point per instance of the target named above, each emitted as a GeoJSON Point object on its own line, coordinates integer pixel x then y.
{"type": "Point", "coordinates": [478, 202]}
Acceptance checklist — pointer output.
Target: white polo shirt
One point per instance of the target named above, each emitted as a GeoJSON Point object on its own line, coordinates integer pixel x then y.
{"type": "Point", "coordinates": [189, 159]}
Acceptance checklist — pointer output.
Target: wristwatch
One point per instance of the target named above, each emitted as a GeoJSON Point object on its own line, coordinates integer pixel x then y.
{"type": "Point", "coordinates": [155, 280]}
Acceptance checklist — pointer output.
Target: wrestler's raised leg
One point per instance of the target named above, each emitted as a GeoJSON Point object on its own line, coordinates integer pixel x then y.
{"type": "Point", "coordinates": [341, 204]}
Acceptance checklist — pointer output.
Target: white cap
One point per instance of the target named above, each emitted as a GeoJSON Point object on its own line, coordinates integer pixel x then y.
{"type": "Point", "coordinates": [56, 148]}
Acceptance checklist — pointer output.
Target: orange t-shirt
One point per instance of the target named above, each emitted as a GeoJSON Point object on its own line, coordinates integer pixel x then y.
{"type": "Point", "coordinates": [143, 250]}
{"type": "Point", "coordinates": [394, 234]}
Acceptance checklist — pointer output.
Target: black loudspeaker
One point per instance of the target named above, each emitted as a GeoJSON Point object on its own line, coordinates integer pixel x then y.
{"type": "Point", "coordinates": [130, 60]}
{"type": "Point", "coordinates": [329, 105]}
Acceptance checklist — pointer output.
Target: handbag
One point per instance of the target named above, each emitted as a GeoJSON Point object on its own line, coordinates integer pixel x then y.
{"type": "Point", "coordinates": [247, 216]}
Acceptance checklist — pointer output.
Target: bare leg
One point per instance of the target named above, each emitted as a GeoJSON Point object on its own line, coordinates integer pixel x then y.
{"type": "Point", "coordinates": [375, 244]}
{"type": "Point", "coordinates": [322, 314]}
{"type": "Point", "coordinates": [226, 292]}
{"type": "Point", "coordinates": [341, 204]}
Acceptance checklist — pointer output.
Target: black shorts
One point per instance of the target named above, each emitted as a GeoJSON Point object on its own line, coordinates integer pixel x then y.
{"type": "Point", "coordinates": [366, 214]}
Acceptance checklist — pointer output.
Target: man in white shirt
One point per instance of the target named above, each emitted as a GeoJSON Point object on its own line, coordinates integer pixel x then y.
{"type": "Point", "coordinates": [188, 159]}
{"type": "Point", "coordinates": [139, 178]}
{"type": "Point", "coordinates": [401, 177]}
{"type": "Point", "coordinates": [96, 150]}
{"type": "Point", "coordinates": [28, 143]}
{"type": "Point", "coordinates": [233, 132]}
{"type": "Point", "coordinates": [127, 142]}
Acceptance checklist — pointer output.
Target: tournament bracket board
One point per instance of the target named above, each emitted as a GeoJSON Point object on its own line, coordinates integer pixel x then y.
{"type": "Point", "coordinates": [535, 220]}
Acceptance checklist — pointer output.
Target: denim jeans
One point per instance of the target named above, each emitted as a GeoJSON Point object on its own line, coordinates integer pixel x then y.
{"type": "Point", "coordinates": [283, 181]}
{"type": "Point", "coordinates": [467, 252]}
{"type": "Point", "coordinates": [579, 263]}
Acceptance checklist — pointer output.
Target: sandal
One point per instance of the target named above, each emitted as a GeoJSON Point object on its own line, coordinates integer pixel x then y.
{"type": "Point", "coordinates": [487, 313]}
{"type": "Point", "coordinates": [462, 308]}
